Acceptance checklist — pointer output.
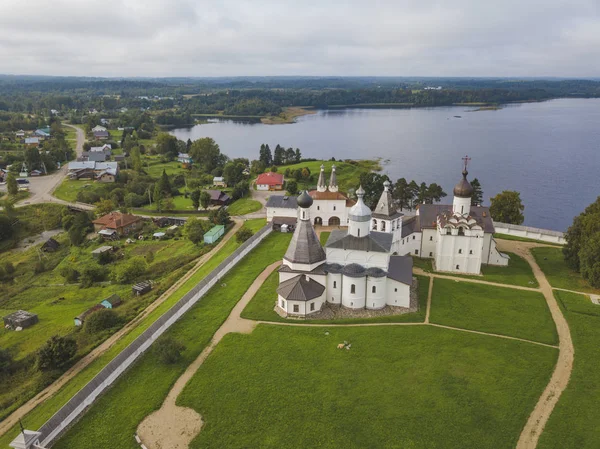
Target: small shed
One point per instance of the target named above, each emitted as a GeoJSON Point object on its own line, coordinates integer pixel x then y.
{"type": "Point", "coordinates": [108, 233]}
{"type": "Point", "coordinates": [142, 287]}
{"type": "Point", "coordinates": [20, 318]}
{"type": "Point", "coordinates": [219, 181]}
{"type": "Point", "coordinates": [50, 245]}
{"type": "Point", "coordinates": [111, 302]}
{"type": "Point", "coordinates": [103, 249]}
{"type": "Point", "coordinates": [158, 235]}
{"type": "Point", "coordinates": [214, 234]}
{"type": "Point", "coordinates": [80, 319]}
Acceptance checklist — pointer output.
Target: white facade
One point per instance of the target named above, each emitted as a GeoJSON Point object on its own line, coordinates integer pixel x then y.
{"type": "Point", "coordinates": [357, 275]}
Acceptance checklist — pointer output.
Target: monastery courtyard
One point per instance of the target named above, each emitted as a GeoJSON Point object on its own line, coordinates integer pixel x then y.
{"type": "Point", "coordinates": [482, 364]}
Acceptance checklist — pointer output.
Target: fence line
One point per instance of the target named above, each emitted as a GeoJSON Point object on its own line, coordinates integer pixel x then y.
{"type": "Point", "coordinates": [71, 411]}
{"type": "Point", "coordinates": [544, 235]}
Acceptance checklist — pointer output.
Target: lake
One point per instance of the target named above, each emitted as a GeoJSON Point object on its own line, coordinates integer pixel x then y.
{"type": "Point", "coordinates": [549, 151]}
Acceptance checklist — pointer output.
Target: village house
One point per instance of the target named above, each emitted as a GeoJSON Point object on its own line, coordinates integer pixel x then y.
{"type": "Point", "coordinates": [20, 134]}
{"type": "Point", "coordinates": [101, 135]}
{"type": "Point", "coordinates": [185, 160]}
{"type": "Point", "coordinates": [98, 128]}
{"type": "Point", "coordinates": [92, 169]}
{"type": "Point", "coordinates": [218, 198]}
{"type": "Point", "coordinates": [20, 319]}
{"type": "Point", "coordinates": [122, 224]}
{"type": "Point", "coordinates": [42, 133]}
{"type": "Point", "coordinates": [269, 181]}
{"type": "Point", "coordinates": [32, 141]}
{"type": "Point", "coordinates": [219, 181]}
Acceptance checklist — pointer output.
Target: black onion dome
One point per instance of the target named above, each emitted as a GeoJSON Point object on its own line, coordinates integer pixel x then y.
{"type": "Point", "coordinates": [305, 200]}
{"type": "Point", "coordinates": [463, 189]}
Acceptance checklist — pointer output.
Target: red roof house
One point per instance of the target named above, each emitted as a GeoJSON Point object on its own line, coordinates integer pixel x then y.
{"type": "Point", "coordinates": [269, 181]}
{"type": "Point", "coordinates": [122, 223]}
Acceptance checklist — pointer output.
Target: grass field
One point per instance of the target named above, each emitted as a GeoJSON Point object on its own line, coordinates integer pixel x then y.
{"type": "Point", "coordinates": [574, 422]}
{"type": "Point", "coordinates": [261, 306]}
{"type": "Point", "coordinates": [410, 387]}
{"type": "Point", "coordinates": [68, 189]}
{"type": "Point", "coordinates": [109, 424]}
{"type": "Point", "coordinates": [347, 173]}
{"type": "Point", "coordinates": [518, 272]}
{"type": "Point", "coordinates": [553, 265]}
{"type": "Point", "coordinates": [504, 311]}
{"type": "Point", "coordinates": [244, 206]}
{"type": "Point", "coordinates": [44, 411]}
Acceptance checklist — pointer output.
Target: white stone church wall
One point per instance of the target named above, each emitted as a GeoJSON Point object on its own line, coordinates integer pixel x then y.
{"type": "Point", "coordinates": [454, 251]}
{"type": "Point", "coordinates": [398, 294]}
{"type": "Point", "coordinates": [367, 259]}
{"type": "Point", "coordinates": [409, 245]}
{"type": "Point", "coordinates": [376, 292]}
{"type": "Point", "coordinates": [280, 212]}
{"type": "Point", "coordinates": [428, 243]}
{"type": "Point", "coordinates": [356, 300]}
{"type": "Point", "coordinates": [334, 291]}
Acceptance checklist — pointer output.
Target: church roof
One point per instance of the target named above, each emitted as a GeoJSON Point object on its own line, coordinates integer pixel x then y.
{"type": "Point", "coordinates": [385, 207]}
{"type": "Point", "coordinates": [300, 288]}
{"type": "Point", "coordinates": [463, 189]}
{"type": "Point", "coordinates": [333, 178]}
{"type": "Point", "coordinates": [321, 182]}
{"type": "Point", "coordinates": [328, 195]}
{"type": "Point", "coordinates": [375, 241]}
{"type": "Point", "coordinates": [400, 269]}
{"type": "Point", "coordinates": [354, 270]}
{"type": "Point", "coordinates": [428, 213]}
{"type": "Point", "coordinates": [376, 272]}
{"type": "Point", "coordinates": [288, 202]}
{"type": "Point", "coordinates": [305, 246]}
{"type": "Point", "coordinates": [335, 268]}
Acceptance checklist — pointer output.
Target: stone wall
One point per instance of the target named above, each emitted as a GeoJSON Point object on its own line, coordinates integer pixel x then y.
{"type": "Point", "coordinates": [543, 235]}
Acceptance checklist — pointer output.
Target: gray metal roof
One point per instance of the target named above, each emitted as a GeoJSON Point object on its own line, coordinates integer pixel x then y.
{"type": "Point", "coordinates": [410, 225]}
{"type": "Point", "coordinates": [400, 269]}
{"type": "Point", "coordinates": [376, 272]}
{"type": "Point", "coordinates": [300, 288]}
{"type": "Point", "coordinates": [375, 241]}
{"type": "Point", "coordinates": [385, 207]}
{"type": "Point", "coordinates": [289, 202]}
{"type": "Point", "coordinates": [428, 216]}
{"type": "Point", "coordinates": [334, 268]}
{"type": "Point", "coordinates": [354, 270]}
{"type": "Point", "coordinates": [305, 246]}
{"type": "Point", "coordinates": [333, 178]}
{"type": "Point", "coordinates": [321, 181]}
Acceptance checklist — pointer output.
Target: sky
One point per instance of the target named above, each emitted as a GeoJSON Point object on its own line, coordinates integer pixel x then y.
{"type": "Point", "coordinates": [283, 37]}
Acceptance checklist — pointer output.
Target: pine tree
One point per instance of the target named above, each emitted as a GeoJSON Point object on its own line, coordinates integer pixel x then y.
{"type": "Point", "coordinates": [477, 197]}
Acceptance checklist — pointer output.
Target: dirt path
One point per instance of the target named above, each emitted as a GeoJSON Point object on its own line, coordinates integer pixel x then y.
{"type": "Point", "coordinates": [564, 365]}
{"type": "Point", "coordinates": [429, 295]}
{"type": "Point", "coordinates": [174, 427]}
{"type": "Point", "coordinates": [52, 389]}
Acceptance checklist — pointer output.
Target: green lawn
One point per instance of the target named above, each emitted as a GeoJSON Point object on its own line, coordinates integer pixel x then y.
{"type": "Point", "coordinates": [323, 237]}
{"type": "Point", "coordinates": [154, 168]}
{"type": "Point", "coordinates": [68, 189]}
{"type": "Point", "coordinates": [498, 310]}
{"type": "Point", "coordinates": [574, 422]}
{"type": "Point", "coordinates": [553, 265]}
{"type": "Point", "coordinates": [347, 173]}
{"type": "Point", "coordinates": [110, 424]}
{"type": "Point", "coordinates": [397, 387]}
{"type": "Point", "coordinates": [261, 306]}
{"type": "Point", "coordinates": [244, 206]}
{"type": "Point", "coordinates": [518, 272]}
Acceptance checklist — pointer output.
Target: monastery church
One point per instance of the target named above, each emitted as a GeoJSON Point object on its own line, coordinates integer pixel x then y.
{"type": "Point", "coordinates": [369, 264]}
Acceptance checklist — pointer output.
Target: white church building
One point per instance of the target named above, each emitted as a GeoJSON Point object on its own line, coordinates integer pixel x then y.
{"type": "Point", "coordinates": [356, 269]}
{"type": "Point", "coordinates": [330, 207]}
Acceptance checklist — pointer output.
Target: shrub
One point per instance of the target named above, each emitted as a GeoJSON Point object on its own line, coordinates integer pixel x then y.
{"type": "Point", "coordinates": [130, 270]}
{"type": "Point", "coordinates": [101, 320]}
{"type": "Point", "coordinates": [6, 361]}
{"type": "Point", "coordinates": [91, 273]}
{"type": "Point", "coordinates": [168, 350]}
{"type": "Point", "coordinates": [69, 273]}
{"type": "Point", "coordinates": [9, 268]}
{"type": "Point", "coordinates": [243, 234]}
{"type": "Point", "coordinates": [39, 267]}
{"type": "Point", "coordinates": [56, 353]}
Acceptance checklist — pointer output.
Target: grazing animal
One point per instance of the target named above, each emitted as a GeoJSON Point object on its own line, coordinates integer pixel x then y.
{"type": "Point", "coordinates": [341, 346]}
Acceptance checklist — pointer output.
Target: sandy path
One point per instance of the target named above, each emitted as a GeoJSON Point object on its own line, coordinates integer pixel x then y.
{"type": "Point", "coordinates": [564, 365]}
{"type": "Point", "coordinates": [174, 427]}
{"type": "Point", "coordinates": [52, 389]}
{"type": "Point", "coordinates": [429, 295]}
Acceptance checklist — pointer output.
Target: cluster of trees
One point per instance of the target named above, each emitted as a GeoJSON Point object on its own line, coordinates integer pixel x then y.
{"type": "Point", "coordinates": [582, 251]}
{"type": "Point", "coordinates": [507, 207]}
{"type": "Point", "coordinates": [280, 156]}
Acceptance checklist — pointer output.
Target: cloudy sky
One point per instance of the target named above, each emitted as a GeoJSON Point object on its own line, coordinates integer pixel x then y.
{"type": "Point", "coordinates": [285, 37]}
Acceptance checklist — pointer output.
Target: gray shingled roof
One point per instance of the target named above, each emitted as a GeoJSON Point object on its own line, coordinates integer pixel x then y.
{"type": "Point", "coordinates": [354, 270]}
{"type": "Point", "coordinates": [300, 288]}
{"type": "Point", "coordinates": [305, 246]}
{"type": "Point", "coordinates": [400, 269]}
{"type": "Point", "coordinates": [376, 272]}
{"type": "Point", "coordinates": [289, 202]}
{"type": "Point", "coordinates": [410, 225]}
{"type": "Point", "coordinates": [375, 241]}
{"type": "Point", "coordinates": [428, 216]}
{"type": "Point", "coordinates": [385, 207]}
{"type": "Point", "coordinates": [321, 181]}
{"type": "Point", "coordinates": [334, 268]}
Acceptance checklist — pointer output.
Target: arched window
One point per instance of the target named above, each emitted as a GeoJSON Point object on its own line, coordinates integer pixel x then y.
{"type": "Point", "coordinates": [458, 267]}
{"type": "Point", "coordinates": [461, 231]}
{"type": "Point", "coordinates": [448, 231]}
{"type": "Point", "coordinates": [374, 289]}
{"type": "Point", "coordinates": [352, 288]}
{"type": "Point", "coordinates": [383, 225]}
{"type": "Point", "coordinates": [303, 214]}
{"type": "Point", "coordinates": [334, 284]}
{"type": "Point", "coordinates": [460, 251]}
{"type": "Point", "coordinates": [374, 224]}
{"type": "Point", "coordinates": [358, 232]}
